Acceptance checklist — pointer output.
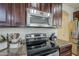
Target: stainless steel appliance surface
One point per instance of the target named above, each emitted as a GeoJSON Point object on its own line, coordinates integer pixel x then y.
{"type": "Point", "coordinates": [36, 18]}
{"type": "Point", "coordinates": [37, 45]}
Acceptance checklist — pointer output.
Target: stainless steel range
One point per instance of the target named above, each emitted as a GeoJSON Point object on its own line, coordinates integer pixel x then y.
{"type": "Point", "coordinates": [38, 45]}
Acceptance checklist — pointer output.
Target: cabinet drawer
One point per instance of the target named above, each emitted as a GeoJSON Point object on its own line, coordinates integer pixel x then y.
{"type": "Point", "coordinates": [65, 48]}
{"type": "Point", "coordinates": [66, 53]}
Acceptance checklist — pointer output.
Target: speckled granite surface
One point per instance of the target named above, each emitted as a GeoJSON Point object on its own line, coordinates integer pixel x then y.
{"type": "Point", "coordinates": [62, 43]}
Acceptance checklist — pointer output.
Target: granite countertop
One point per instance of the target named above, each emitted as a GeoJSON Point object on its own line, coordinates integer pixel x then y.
{"type": "Point", "coordinates": [59, 43]}
{"type": "Point", "coordinates": [75, 41]}
{"type": "Point", "coordinates": [62, 43]}
{"type": "Point", "coordinates": [3, 47]}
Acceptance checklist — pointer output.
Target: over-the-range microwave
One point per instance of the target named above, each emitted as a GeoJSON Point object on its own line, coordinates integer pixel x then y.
{"type": "Point", "coordinates": [36, 18]}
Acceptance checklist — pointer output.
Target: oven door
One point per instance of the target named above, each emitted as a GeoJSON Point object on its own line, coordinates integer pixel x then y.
{"type": "Point", "coordinates": [54, 54]}
{"type": "Point", "coordinates": [44, 51]}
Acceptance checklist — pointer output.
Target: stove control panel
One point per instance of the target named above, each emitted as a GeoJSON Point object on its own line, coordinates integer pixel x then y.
{"type": "Point", "coordinates": [36, 35]}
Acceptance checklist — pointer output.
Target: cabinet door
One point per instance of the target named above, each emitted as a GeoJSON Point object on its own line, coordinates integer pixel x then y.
{"type": "Point", "coordinates": [18, 14]}
{"type": "Point", "coordinates": [4, 14]}
{"type": "Point", "coordinates": [76, 15]}
{"type": "Point", "coordinates": [45, 7]}
{"type": "Point", "coordinates": [57, 13]}
{"type": "Point", "coordinates": [34, 6]}
{"type": "Point", "coordinates": [60, 14]}
{"type": "Point", "coordinates": [66, 50]}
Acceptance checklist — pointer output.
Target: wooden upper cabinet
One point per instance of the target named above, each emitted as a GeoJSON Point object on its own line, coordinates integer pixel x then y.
{"type": "Point", "coordinates": [5, 14]}
{"type": "Point", "coordinates": [76, 15]}
{"type": "Point", "coordinates": [45, 7]}
{"type": "Point", "coordinates": [15, 14]}
{"type": "Point", "coordinates": [34, 5]}
{"type": "Point", "coordinates": [57, 14]}
{"type": "Point", "coordinates": [18, 14]}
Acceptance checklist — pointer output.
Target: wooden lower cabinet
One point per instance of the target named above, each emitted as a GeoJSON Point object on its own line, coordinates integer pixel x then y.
{"type": "Point", "coordinates": [78, 50]}
{"type": "Point", "coordinates": [66, 50]}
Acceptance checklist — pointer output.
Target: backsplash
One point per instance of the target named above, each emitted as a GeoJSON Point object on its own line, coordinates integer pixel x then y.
{"type": "Point", "coordinates": [24, 31]}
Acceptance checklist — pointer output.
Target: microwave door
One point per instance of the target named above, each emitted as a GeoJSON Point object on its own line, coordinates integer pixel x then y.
{"type": "Point", "coordinates": [38, 20]}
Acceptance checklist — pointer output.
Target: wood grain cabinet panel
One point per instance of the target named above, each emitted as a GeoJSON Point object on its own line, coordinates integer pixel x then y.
{"type": "Point", "coordinates": [5, 13]}
{"type": "Point", "coordinates": [57, 14]}
{"type": "Point", "coordinates": [12, 14]}
{"type": "Point", "coordinates": [45, 7]}
{"type": "Point", "coordinates": [18, 14]}
{"type": "Point", "coordinates": [66, 50]}
{"type": "Point", "coordinates": [34, 5]}
{"type": "Point", "coordinates": [76, 15]}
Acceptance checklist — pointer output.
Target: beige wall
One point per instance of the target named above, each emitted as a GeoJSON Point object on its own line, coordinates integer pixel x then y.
{"type": "Point", "coordinates": [67, 17]}
{"type": "Point", "coordinates": [63, 31]}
